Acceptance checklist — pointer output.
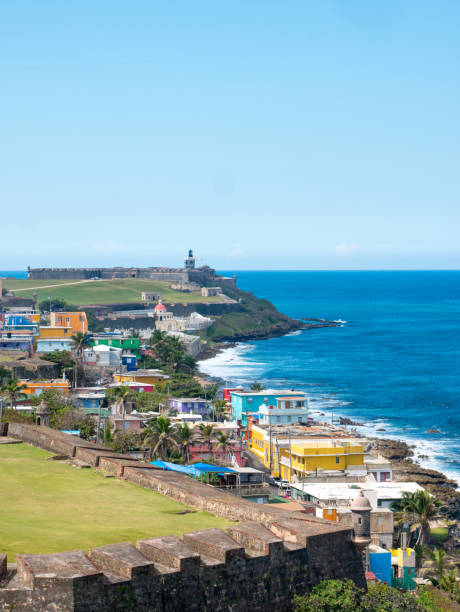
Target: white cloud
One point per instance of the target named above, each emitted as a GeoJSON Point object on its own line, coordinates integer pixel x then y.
{"type": "Point", "coordinates": [345, 248]}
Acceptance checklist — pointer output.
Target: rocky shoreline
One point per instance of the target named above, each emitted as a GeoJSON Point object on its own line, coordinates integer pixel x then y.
{"type": "Point", "coordinates": [399, 452]}
{"type": "Point", "coordinates": [275, 331]}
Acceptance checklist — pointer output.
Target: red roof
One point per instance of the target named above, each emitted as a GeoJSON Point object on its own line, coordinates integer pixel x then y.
{"type": "Point", "coordinates": [160, 308]}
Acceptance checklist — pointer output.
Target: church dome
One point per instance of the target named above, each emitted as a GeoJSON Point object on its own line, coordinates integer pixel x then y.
{"type": "Point", "coordinates": [160, 308]}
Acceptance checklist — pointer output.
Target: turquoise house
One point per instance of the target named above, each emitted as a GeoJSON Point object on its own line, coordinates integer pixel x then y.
{"type": "Point", "coordinates": [248, 402]}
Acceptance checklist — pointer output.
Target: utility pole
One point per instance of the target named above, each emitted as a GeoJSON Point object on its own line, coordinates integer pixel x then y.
{"type": "Point", "coordinates": [98, 435]}
{"type": "Point", "coordinates": [290, 457]}
{"type": "Point", "coordinates": [270, 460]}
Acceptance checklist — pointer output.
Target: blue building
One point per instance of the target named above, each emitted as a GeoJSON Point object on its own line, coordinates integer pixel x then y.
{"type": "Point", "coordinates": [129, 361]}
{"type": "Point", "coordinates": [48, 345]}
{"type": "Point", "coordinates": [190, 405]}
{"type": "Point", "coordinates": [248, 402]}
{"type": "Point", "coordinates": [380, 563]}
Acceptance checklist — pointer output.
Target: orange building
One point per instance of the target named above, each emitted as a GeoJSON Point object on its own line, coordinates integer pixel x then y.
{"type": "Point", "coordinates": [36, 387]}
{"type": "Point", "coordinates": [75, 320]}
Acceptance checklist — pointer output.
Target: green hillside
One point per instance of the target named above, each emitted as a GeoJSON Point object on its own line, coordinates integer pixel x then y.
{"type": "Point", "coordinates": [81, 293]}
{"type": "Point", "coordinates": [258, 319]}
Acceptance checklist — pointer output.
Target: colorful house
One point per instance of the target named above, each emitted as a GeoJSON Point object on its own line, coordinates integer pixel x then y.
{"type": "Point", "coordinates": [16, 342]}
{"type": "Point", "coordinates": [294, 458]}
{"type": "Point", "coordinates": [36, 387]}
{"type": "Point", "coordinates": [76, 321]}
{"type": "Point", "coordinates": [303, 458]}
{"type": "Point", "coordinates": [380, 563]}
{"type": "Point", "coordinates": [127, 345]}
{"type": "Point", "coordinates": [129, 362]}
{"type": "Point", "coordinates": [149, 377]}
{"type": "Point", "coordinates": [403, 565]}
{"type": "Point", "coordinates": [245, 403]}
{"type": "Point", "coordinates": [287, 410]}
{"type": "Point", "coordinates": [190, 405]}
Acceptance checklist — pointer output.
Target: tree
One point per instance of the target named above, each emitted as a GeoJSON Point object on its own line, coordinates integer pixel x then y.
{"type": "Point", "coordinates": [13, 391]}
{"type": "Point", "coordinates": [159, 437]}
{"type": "Point", "coordinates": [219, 409]}
{"type": "Point", "coordinates": [345, 596]}
{"type": "Point", "coordinates": [56, 304]}
{"type": "Point", "coordinates": [440, 577]}
{"type": "Point", "coordinates": [124, 442]}
{"type": "Point", "coordinates": [418, 509]}
{"type": "Point", "coordinates": [5, 375]}
{"type": "Point", "coordinates": [64, 359]}
{"type": "Point", "coordinates": [184, 436]}
{"type": "Point", "coordinates": [79, 342]}
{"type": "Point", "coordinates": [206, 433]}
{"type": "Point", "coordinates": [86, 426]}
{"type": "Point", "coordinates": [120, 396]}
{"type": "Point", "coordinates": [330, 596]}
{"type": "Point", "coordinates": [383, 598]}
{"type": "Point", "coordinates": [223, 441]}
{"type": "Point", "coordinates": [257, 386]}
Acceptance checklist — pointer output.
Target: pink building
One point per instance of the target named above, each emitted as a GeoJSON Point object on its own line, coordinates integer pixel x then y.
{"type": "Point", "coordinates": [200, 451]}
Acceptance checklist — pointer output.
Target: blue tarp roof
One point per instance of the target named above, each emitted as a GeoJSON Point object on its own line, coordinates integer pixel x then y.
{"type": "Point", "coordinates": [196, 469]}
{"type": "Point", "coordinates": [207, 467]}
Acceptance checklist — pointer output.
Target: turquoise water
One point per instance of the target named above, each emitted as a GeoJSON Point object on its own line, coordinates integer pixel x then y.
{"type": "Point", "coordinates": [394, 365]}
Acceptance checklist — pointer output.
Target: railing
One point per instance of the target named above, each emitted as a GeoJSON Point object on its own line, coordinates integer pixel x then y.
{"type": "Point", "coordinates": [251, 486]}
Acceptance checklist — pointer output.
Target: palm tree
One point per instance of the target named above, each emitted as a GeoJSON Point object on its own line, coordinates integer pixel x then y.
{"type": "Point", "coordinates": [79, 341]}
{"type": "Point", "coordinates": [441, 578]}
{"type": "Point", "coordinates": [13, 390]}
{"type": "Point", "coordinates": [219, 409]}
{"type": "Point", "coordinates": [206, 433]}
{"type": "Point", "coordinates": [418, 509]}
{"type": "Point", "coordinates": [159, 437]}
{"type": "Point", "coordinates": [223, 441]}
{"type": "Point", "coordinates": [184, 436]}
{"type": "Point", "coordinates": [257, 386]}
{"type": "Point", "coordinates": [121, 395]}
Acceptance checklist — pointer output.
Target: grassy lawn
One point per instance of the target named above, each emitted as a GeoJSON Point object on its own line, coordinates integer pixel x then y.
{"type": "Point", "coordinates": [48, 506]}
{"type": "Point", "coordinates": [438, 535]}
{"type": "Point", "coordinates": [103, 292]}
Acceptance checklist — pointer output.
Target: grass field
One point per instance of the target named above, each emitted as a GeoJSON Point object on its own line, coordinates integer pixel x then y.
{"type": "Point", "coordinates": [48, 506]}
{"type": "Point", "coordinates": [101, 292]}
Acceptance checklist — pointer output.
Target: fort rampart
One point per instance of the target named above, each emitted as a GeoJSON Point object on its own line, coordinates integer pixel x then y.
{"type": "Point", "coordinates": [257, 564]}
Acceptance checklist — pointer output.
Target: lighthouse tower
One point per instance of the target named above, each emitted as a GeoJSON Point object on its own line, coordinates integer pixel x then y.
{"type": "Point", "coordinates": [189, 262]}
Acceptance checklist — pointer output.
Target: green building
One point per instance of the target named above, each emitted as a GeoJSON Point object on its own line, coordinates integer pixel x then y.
{"type": "Point", "coordinates": [127, 345]}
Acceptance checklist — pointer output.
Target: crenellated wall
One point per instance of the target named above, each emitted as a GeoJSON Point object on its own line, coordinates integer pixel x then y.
{"type": "Point", "coordinates": [255, 565]}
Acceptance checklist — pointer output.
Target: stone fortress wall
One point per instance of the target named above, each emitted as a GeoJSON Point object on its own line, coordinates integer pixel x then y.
{"type": "Point", "coordinates": [257, 564]}
{"type": "Point", "coordinates": [201, 276]}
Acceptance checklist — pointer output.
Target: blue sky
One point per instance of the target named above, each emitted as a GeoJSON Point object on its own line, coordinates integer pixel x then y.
{"type": "Point", "coordinates": [263, 134]}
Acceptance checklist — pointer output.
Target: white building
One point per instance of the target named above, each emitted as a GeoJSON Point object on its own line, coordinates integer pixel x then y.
{"type": "Point", "coordinates": [288, 410]}
{"type": "Point", "coordinates": [334, 494]}
{"type": "Point", "coordinates": [102, 355]}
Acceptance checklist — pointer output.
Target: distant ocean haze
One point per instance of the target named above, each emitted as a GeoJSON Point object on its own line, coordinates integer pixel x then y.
{"type": "Point", "coordinates": [394, 365]}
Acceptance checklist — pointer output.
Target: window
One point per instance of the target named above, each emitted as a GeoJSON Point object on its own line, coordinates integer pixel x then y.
{"type": "Point", "coordinates": [337, 459]}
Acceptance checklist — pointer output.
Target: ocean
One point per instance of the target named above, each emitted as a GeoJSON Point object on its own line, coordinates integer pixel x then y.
{"type": "Point", "coordinates": [393, 365]}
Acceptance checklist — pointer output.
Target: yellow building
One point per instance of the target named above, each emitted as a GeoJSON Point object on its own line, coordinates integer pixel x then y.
{"type": "Point", "coordinates": [295, 458]}
{"type": "Point", "coordinates": [55, 332]}
{"type": "Point", "coordinates": [36, 387]}
{"type": "Point", "coordinates": [148, 377]}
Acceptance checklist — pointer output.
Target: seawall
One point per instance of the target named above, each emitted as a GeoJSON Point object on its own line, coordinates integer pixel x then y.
{"type": "Point", "coordinates": [258, 564]}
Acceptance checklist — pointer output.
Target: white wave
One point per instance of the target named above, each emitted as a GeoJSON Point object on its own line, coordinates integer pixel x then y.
{"type": "Point", "coordinates": [231, 364]}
